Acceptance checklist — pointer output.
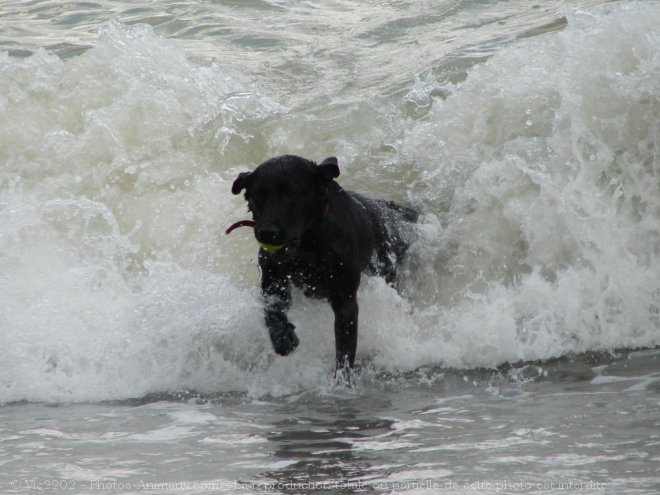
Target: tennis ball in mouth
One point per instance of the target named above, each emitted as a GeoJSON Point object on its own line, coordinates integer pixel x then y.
{"type": "Point", "coordinates": [271, 248]}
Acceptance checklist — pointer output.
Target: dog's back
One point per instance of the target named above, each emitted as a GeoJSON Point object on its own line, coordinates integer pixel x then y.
{"type": "Point", "coordinates": [393, 233]}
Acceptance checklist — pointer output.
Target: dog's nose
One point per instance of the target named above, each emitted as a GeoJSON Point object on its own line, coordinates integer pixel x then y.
{"type": "Point", "coordinates": [269, 234]}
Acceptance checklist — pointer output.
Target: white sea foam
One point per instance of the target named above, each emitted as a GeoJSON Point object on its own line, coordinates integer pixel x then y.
{"type": "Point", "coordinates": [542, 170]}
{"type": "Point", "coordinates": [538, 178]}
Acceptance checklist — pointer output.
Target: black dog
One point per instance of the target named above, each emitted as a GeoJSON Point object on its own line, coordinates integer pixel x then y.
{"type": "Point", "coordinates": [320, 237]}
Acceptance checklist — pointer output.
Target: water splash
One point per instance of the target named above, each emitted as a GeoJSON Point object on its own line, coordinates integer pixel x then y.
{"type": "Point", "coordinates": [538, 176]}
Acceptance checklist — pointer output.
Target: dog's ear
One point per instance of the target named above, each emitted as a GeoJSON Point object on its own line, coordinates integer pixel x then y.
{"type": "Point", "coordinates": [328, 168]}
{"type": "Point", "coordinates": [241, 182]}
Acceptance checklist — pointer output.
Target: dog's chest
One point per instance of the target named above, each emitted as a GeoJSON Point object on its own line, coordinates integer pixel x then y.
{"type": "Point", "coordinates": [310, 274]}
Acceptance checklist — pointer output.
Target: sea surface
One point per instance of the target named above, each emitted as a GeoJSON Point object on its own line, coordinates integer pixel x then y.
{"type": "Point", "coordinates": [519, 354]}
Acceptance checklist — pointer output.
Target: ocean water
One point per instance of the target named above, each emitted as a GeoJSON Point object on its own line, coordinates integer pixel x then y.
{"type": "Point", "coordinates": [520, 352]}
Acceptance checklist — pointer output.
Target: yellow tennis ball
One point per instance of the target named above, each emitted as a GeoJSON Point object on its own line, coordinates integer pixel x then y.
{"type": "Point", "coordinates": [271, 248]}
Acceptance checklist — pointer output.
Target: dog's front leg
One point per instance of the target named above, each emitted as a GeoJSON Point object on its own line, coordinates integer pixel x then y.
{"type": "Point", "coordinates": [345, 307]}
{"type": "Point", "coordinates": [276, 289]}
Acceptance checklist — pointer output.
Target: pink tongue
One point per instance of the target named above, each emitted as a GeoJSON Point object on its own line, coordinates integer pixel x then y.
{"type": "Point", "coordinates": [240, 223]}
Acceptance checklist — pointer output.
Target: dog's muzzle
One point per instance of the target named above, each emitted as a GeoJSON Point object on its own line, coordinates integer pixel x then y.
{"type": "Point", "coordinates": [271, 248]}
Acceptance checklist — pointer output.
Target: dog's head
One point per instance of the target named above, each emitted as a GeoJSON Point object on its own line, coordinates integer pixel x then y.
{"type": "Point", "coordinates": [287, 196]}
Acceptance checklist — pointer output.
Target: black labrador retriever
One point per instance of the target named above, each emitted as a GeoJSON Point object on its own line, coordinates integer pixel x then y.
{"type": "Point", "coordinates": [319, 237]}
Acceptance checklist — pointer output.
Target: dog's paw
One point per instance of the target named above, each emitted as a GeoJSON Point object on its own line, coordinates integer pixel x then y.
{"type": "Point", "coordinates": [285, 340]}
{"type": "Point", "coordinates": [286, 344]}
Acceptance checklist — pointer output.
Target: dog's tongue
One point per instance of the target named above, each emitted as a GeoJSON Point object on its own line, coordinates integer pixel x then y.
{"type": "Point", "coordinates": [271, 248]}
{"type": "Point", "coordinates": [240, 223]}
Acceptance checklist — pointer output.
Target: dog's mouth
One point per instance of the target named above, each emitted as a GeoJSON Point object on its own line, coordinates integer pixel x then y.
{"type": "Point", "coordinates": [271, 248]}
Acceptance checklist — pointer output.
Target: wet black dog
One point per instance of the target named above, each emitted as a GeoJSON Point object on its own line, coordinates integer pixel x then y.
{"type": "Point", "coordinates": [321, 238]}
